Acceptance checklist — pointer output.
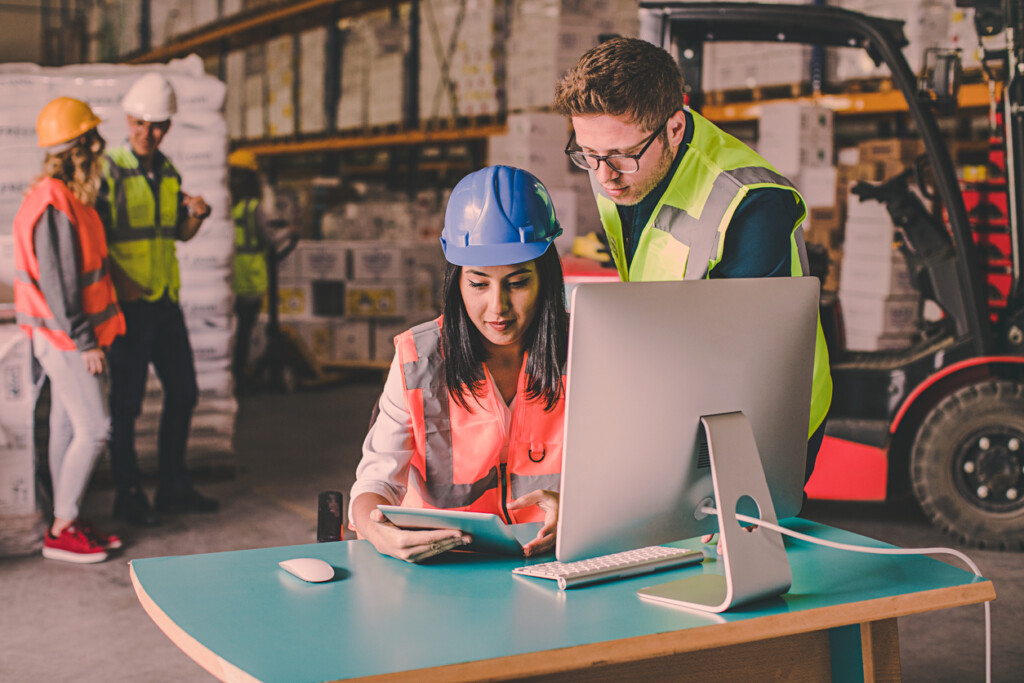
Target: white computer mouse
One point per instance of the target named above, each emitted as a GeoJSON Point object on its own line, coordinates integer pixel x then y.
{"type": "Point", "coordinates": [308, 569]}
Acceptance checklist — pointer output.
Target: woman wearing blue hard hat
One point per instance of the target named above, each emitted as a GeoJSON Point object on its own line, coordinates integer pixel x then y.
{"type": "Point", "coordinates": [472, 411]}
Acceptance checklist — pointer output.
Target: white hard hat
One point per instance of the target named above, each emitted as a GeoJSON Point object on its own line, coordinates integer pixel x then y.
{"type": "Point", "coordinates": [151, 98]}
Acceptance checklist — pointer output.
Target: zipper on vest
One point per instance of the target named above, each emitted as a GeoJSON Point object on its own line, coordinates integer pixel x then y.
{"type": "Point", "coordinates": [502, 471]}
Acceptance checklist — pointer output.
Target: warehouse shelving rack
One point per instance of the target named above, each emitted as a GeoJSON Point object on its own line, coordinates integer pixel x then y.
{"type": "Point", "coordinates": [259, 23]}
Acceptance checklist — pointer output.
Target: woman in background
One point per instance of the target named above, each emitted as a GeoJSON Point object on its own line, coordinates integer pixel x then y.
{"type": "Point", "coordinates": [64, 299]}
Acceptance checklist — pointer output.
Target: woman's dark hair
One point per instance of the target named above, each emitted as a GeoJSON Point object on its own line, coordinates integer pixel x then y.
{"type": "Point", "coordinates": [546, 341]}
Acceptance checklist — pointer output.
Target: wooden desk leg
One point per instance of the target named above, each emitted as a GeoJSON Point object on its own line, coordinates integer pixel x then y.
{"type": "Point", "coordinates": [868, 652]}
{"type": "Point", "coordinates": [880, 650]}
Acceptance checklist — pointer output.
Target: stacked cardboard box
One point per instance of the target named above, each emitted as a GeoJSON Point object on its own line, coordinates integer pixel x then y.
{"type": "Point", "coordinates": [20, 523]}
{"type": "Point", "coordinates": [280, 79]}
{"type": "Point", "coordinates": [881, 308]}
{"type": "Point", "coordinates": [737, 65]}
{"type": "Point", "coordinates": [374, 47]}
{"type": "Point", "coordinates": [794, 137]}
{"type": "Point", "coordinates": [926, 25]}
{"type": "Point", "coordinates": [546, 37]}
{"type": "Point", "coordinates": [462, 50]}
{"type": "Point", "coordinates": [235, 103]}
{"type": "Point", "coordinates": [169, 19]}
{"type": "Point", "coordinates": [113, 27]}
{"type": "Point", "coordinates": [312, 69]}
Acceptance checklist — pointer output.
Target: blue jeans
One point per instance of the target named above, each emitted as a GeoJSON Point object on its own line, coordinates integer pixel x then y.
{"type": "Point", "coordinates": [79, 424]}
{"type": "Point", "coordinates": [155, 334]}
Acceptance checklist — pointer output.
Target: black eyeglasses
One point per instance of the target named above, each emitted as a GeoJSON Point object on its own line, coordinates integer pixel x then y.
{"type": "Point", "coordinates": [620, 163]}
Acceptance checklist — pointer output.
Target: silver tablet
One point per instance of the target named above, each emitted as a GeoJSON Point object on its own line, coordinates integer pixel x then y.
{"type": "Point", "coordinates": [490, 534]}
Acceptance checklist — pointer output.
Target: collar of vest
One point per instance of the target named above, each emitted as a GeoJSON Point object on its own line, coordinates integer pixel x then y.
{"type": "Point", "coordinates": [125, 157]}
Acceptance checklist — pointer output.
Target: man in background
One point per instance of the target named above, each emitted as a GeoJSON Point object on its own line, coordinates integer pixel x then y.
{"type": "Point", "coordinates": [145, 211]}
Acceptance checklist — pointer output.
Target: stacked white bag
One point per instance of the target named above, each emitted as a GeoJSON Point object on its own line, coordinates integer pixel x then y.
{"type": "Point", "coordinates": [197, 144]}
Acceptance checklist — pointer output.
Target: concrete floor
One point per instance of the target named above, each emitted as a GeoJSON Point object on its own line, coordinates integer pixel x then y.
{"type": "Point", "coordinates": [61, 622]}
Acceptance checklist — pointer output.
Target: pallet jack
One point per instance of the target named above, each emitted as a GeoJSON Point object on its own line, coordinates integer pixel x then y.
{"type": "Point", "coordinates": [287, 363]}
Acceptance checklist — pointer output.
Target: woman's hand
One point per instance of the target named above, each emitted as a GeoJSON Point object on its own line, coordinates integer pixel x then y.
{"type": "Point", "coordinates": [548, 502]}
{"type": "Point", "coordinates": [411, 545]}
{"type": "Point", "coordinates": [95, 361]}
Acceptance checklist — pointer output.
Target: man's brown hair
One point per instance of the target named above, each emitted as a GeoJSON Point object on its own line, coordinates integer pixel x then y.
{"type": "Point", "coordinates": [623, 77]}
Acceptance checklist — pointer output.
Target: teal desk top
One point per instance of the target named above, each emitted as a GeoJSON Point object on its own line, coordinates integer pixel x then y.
{"type": "Point", "coordinates": [380, 615]}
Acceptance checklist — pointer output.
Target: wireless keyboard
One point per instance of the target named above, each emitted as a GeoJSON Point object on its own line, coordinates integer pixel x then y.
{"type": "Point", "coordinates": [614, 566]}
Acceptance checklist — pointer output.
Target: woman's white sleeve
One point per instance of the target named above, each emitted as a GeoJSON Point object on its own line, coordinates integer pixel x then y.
{"type": "Point", "coordinates": [388, 447]}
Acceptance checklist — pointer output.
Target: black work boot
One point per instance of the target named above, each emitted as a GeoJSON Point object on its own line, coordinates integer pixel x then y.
{"type": "Point", "coordinates": [133, 507]}
{"type": "Point", "coordinates": [184, 500]}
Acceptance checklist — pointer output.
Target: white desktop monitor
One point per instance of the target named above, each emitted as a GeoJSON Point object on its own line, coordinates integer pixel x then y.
{"type": "Point", "coordinates": [647, 361]}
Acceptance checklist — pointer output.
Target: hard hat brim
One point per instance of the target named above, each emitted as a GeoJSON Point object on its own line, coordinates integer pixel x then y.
{"type": "Point", "coordinates": [150, 119]}
{"type": "Point", "coordinates": [495, 254]}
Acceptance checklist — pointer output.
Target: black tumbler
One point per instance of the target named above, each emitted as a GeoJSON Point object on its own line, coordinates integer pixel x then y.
{"type": "Point", "coordinates": [328, 516]}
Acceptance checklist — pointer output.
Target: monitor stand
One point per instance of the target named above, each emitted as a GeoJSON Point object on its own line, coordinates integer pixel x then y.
{"type": "Point", "coordinates": [755, 563]}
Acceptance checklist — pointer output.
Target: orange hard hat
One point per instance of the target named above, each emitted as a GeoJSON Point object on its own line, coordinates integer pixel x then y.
{"type": "Point", "coordinates": [63, 120]}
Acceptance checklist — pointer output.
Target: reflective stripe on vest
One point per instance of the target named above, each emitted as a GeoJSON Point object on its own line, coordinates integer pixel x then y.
{"type": "Point", "coordinates": [96, 290]}
{"type": "Point", "coordinates": [249, 264]}
{"type": "Point", "coordinates": [457, 452]}
{"type": "Point", "coordinates": [144, 225]}
{"type": "Point", "coordinates": [685, 236]}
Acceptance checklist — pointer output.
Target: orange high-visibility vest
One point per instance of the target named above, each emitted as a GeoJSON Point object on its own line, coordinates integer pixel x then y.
{"type": "Point", "coordinates": [457, 460]}
{"type": "Point", "coordinates": [99, 302]}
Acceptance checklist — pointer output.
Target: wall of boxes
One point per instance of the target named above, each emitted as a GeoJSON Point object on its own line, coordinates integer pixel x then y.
{"type": "Point", "coordinates": [495, 59]}
{"type": "Point", "coordinates": [927, 24]}
{"type": "Point", "coordinates": [347, 299]}
{"type": "Point", "coordinates": [21, 524]}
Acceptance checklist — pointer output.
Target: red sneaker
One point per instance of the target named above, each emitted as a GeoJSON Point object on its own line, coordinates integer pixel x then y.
{"type": "Point", "coordinates": [105, 541]}
{"type": "Point", "coordinates": [73, 545]}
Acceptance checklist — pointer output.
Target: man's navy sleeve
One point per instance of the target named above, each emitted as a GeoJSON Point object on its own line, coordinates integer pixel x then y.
{"type": "Point", "coordinates": [757, 243]}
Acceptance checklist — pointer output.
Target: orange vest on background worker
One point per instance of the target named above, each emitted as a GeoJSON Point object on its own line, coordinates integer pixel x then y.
{"type": "Point", "coordinates": [99, 302]}
{"type": "Point", "coordinates": [458, 461]}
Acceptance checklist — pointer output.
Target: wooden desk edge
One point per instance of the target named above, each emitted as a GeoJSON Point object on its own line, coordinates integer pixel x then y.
{"type": "Point", "coordinates": [692, 640]}
{"type": "Point", "coordinates": [625, 650]}
{"type": "Point", "coordinates": [196, 651]}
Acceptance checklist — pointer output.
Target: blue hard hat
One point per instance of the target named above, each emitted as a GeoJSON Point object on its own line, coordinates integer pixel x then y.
{"type": "Point", "coordinates": [498, 216]}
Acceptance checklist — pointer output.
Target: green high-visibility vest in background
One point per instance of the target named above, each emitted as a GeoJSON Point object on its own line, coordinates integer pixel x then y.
{"type": "Point", "coordinates": [143, 223]}
{"type": "Point", "coordinates": [249, 273]}
{"type": "Point", "coordinates": [685, 236]}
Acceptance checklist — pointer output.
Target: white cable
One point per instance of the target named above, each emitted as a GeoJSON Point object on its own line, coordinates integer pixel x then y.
{"type": "Point", "coordinates": [883, 551]}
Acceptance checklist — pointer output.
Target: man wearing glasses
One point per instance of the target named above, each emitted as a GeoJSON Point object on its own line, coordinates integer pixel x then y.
{"type": "Point", "coordinates": [678, 197]}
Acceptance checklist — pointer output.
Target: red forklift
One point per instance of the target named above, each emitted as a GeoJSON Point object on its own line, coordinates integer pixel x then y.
{"type": "Point", "coordinates": [944, 417]}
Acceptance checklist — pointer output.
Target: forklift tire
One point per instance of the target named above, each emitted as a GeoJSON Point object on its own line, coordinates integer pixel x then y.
{"type": "Point", "coordinates": [966, 465]}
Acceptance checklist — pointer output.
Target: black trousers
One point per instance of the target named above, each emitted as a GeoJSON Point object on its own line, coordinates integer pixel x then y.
{"type": "Point", "coordinates": [155, 334]}
{"type": "Point", "coordinates": [247, 309]}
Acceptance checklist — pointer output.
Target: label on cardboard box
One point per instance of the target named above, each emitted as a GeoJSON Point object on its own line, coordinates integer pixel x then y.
{"type": "Point", "coordinates": [380, 261]}
{"type": "Point", "coordinates": [374, 300]}
{"type": "Point", "coordinates": [294, 300]}
{"type": "Point", "coordinates": [322, 260]}
{"type": "Point", "coordinates": [351, 340]}
{"type": "Point", "coordinates": [384, 333]}
{"type": "Point", "coordinates": [17, 471]}
{"type": "Point", "coordinates": [872, 314]}
{"type": "Point", "coordinates": [17, 395]}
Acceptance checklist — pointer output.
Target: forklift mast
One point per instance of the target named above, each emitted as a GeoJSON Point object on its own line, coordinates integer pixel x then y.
{"type": "Point", "coordinates": [986, 23]}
